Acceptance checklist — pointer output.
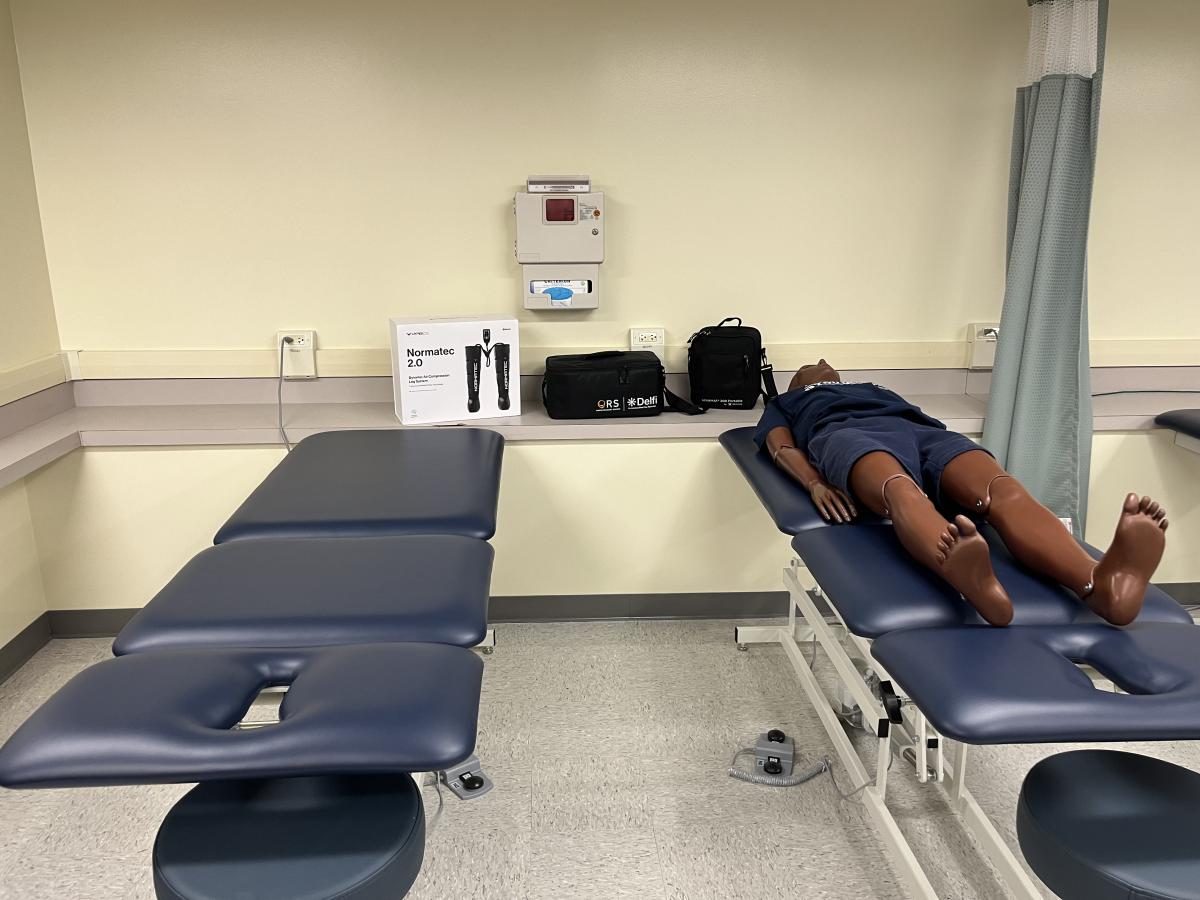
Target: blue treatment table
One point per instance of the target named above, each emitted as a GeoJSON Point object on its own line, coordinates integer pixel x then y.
{"type": "Point", "coordinates": [948, 680]}
{"type": "Point", "coordinates": [1186, 424]}
{"type": "Point", "coordinates": [1185, 421]}
{"type": "Point", "coordinates": [354, 578]}
{"type": "Point", "coordinates": [382, 482]}
{"type": "Point", "coordinates": [305, 592]}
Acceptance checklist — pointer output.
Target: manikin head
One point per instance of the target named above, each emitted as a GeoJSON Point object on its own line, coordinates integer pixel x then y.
{"type": "Point", "coordinates": [814, 373]}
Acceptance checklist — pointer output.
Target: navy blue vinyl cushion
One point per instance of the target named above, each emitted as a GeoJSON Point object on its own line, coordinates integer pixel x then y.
{"type": "Point", "coordinates": [786, 501]}
{"type": "Point", "coordinates": [389, 481]}
{"type": "Point", "coordinates": [292, 839]}
{"type": "Point", "coordinates": [1185, 421]}
{"type": "Point", "coordinates": [1108, 825]}
{"type": "Point", "coordinates": [984, 685]}
{"type": "Point", "coordinates": [877, 588]}
{"type": "Point", "coordinates": [157, 718]}
{"type": "Point", "coordinates": [302, 592]}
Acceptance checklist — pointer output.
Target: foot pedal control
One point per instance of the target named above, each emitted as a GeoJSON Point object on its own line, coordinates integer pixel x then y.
{"type": "Point", "coordinates": [774, 753]}
{"type": "Point", "coordinates": [467, 780]}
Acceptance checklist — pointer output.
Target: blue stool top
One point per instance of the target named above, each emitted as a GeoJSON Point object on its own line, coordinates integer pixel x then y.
{"type": "Point", "coordinates": [1109, 825]}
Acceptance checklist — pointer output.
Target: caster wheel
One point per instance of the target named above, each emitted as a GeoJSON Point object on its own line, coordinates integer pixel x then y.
{"type": "Point", "coordinates": [488, 651]}
{"type": "Point", "coordinates": [742, 648]}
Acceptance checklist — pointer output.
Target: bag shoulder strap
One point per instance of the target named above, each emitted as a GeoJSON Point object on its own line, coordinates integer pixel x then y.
{"type": "Point", "coordinates": [678, 404]}
{"type": "Point", "coordinates": [767, 371]}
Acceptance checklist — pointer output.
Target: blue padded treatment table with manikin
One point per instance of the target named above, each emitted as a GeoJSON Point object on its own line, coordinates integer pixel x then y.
{"type": "Point", "coordinates": [980, 684]}
{"type": "Point", "coordinates": [377, 482]}
{"type": "Point", "coordinates": [306, 592]}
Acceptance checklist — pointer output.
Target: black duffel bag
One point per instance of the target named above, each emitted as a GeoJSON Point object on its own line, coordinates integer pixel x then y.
{"type": "Point", "coordinates": [727, 366]}
{"type": "Point", "coordinates": [611, 384]}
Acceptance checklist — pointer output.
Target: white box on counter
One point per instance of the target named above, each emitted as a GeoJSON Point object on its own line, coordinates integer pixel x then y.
{"type": "Point", "coordinates": [455, 368]}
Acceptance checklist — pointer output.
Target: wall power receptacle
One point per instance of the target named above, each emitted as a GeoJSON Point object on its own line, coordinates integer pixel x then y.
{"type": "Point", "coordinates": [653, 339]}
{"type": "Point", "coordinates": [299, 356]}
{"type": "Point", "coordinates": [981, 344]}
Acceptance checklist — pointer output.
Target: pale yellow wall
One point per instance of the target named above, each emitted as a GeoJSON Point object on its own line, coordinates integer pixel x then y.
{"type": "Point", "coordinates": [113, 526]}
{"type": "Point", "coordinates": [618, 517]}
{"type": "Point", "coordinates": [1148, 463]}
{"type": "Point", "coordinates": [1142, 264]}
{"type": "Point", "coordinates": [27, 328]}
{"type": "Point", "coordinates": [575, 517]}
{"type": "Point", "coordinates": [211, 172]}
{"type": "Point", "coordinates": [22, 598]}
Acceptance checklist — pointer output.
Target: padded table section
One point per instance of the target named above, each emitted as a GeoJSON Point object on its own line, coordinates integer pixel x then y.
{"type": "Point", "coordinates": [302, 592]}
{"type": "Point", "coordinates": [984, 685]}
{"type": "Point", "coordinates": [1108, 825]}
{"type": "Point", "coordinates": [169, 717]}
{"type": "Point", "coordinates": [292, 839]}
{"type": "Point", "coordinates": [786, 501]}
{"type": "Point", "coordinates": [369, 483]}
{"type": "Point", "coordinates": [1185, 421]}
{"type": "Point", "coordinates": [878, 588]}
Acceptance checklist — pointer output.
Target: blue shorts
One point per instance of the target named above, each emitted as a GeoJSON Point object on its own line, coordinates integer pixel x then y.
{"type": "Point", "coordinates": [923, 451]}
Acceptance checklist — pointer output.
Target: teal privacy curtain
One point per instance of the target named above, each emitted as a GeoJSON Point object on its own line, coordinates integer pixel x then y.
{"type": "Point", "coordinates": [1039, 418]}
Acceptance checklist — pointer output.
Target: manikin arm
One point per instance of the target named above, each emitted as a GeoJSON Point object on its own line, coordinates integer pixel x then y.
{"type": "Point", "coordinates": [830, 502]}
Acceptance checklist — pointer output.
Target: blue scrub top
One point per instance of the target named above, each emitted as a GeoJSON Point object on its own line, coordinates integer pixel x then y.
{"type": "Point", "coordinates": [805, 411]}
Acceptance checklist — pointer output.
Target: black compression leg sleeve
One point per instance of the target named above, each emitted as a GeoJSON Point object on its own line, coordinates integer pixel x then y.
{"type": "Point", "coordinates": [502, 376]}
{"type": "Point", "coordinates": [474, 367]}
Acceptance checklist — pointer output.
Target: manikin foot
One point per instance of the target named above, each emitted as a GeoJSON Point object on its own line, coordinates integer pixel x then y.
{"type": "Point", "coordinates": [966, 563]}
{"type": "Point", "coordinates": [1119, 583]}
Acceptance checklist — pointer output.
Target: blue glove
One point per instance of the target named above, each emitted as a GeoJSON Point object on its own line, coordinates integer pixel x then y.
{"type": "Point", "coordinates": [559, 293]}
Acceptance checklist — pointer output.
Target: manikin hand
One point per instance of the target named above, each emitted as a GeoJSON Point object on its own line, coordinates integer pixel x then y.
{"type": "Point", "coordinates": [833, 505]}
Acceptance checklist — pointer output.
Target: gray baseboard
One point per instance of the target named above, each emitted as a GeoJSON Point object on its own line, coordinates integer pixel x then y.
{"type": "Point", "coordinates": [32, 638]}
{"type": "Point", "coordinates": [88, 623]}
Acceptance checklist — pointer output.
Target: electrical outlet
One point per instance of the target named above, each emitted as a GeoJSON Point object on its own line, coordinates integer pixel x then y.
{"type": "Point", "coordinates": [981, 344]}
{"type": "Point", "coordinates": [299, 358]}
{"type": "Point", "coordinates": [654, 339]}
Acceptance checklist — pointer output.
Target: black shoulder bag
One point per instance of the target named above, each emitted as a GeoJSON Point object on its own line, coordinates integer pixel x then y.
{"type": "Point", "coordinates": [727, 364]}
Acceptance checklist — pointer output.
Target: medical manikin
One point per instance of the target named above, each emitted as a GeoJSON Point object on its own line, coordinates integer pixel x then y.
{"type": "Point", "coordinates": [476, 354]}
{"type": "Point", "coordinates": [848, 442]}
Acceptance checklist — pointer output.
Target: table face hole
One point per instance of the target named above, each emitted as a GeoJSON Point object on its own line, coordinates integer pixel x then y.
{"type": "Point", "coordinates": [264, 708]}
{"type": "Point", "coordinates": [1098, 679]}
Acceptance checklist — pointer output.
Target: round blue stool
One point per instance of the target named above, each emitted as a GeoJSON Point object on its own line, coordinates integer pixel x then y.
{"type": "Point", "coordinates": [1108, 825]}
{"type": "Point", "coordinates": [316, 838]}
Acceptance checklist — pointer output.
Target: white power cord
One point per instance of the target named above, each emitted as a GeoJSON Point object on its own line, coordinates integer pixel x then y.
{"type": "Point", "coordinates": [279, 399]}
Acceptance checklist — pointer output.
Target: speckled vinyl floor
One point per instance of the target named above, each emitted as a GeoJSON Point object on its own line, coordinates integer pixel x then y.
{"type": "Point", "coordinates": [608, 744]}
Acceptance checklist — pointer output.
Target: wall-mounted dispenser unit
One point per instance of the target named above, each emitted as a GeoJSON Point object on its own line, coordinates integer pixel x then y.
{"type": "Point", "coordinates": [560, 242]}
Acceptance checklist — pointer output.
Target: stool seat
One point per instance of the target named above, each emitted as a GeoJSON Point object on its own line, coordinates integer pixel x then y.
{"type": "Point", "coordinates": [1109, 825]}
{"type": "Point", "coordinates": [320, 838]}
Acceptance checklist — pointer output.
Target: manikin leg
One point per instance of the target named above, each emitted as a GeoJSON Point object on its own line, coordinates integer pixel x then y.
{"type": "Point", "coordinates": [1113, 588]}
{"type": "Point", "coordinates": [956, 551]}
